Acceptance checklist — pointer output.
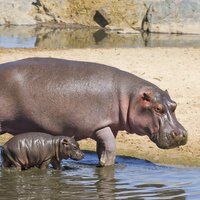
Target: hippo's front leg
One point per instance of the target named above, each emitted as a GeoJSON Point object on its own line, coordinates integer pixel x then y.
{"type": "Point", "coordinates": [106, 146]}
{"type": "Point", "coordinates": [44, 165]}
{"type": "Point", "coordinates": [56, 164]}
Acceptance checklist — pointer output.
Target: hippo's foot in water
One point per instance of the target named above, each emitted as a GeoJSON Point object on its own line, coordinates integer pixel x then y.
{"type": "Point", "coordinates": [106, 146]}
{"type": "Point", "coordinates": [107, 158]}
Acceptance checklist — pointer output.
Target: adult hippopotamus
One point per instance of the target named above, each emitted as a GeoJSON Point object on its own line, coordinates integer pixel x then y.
{"type": "Point", "coordinates": [87, 100]}
{"type": "Point", "coordinates": [35, 149]}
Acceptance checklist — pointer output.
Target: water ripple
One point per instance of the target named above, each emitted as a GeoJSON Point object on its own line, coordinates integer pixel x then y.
{"type": "Point", "coordinates": [128, 179]}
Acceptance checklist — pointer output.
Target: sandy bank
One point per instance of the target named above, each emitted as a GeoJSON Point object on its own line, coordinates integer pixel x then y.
{"type": "Point", "coordinates": [174, 69]}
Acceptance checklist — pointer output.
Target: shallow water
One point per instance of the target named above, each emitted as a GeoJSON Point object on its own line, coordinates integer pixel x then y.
{"type": "Point", "coordinates": [43, 37]}
{"type": "Point", "coordinates": [129, 179]}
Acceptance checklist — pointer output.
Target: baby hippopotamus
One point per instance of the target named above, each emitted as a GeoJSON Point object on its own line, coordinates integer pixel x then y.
{"type": "Point", "coordinates": [36, 149]}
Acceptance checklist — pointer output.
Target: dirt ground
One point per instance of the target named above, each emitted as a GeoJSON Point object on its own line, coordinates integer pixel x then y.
{"type": "Point", "coordinates": [174, 69]}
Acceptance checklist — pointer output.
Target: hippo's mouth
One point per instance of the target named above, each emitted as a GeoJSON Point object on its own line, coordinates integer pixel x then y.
{"type": "Point", "coordinates": [77, 155]}
{"type": "Point", "coordinates": [168, 140]}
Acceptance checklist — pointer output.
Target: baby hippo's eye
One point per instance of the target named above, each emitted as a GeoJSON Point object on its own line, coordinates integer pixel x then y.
{"type": "Point", "coordinates": [74, 147]}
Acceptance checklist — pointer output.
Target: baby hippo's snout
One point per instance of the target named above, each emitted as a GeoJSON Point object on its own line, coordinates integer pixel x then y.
{"type": "Point", "coordinates": [77, 155]}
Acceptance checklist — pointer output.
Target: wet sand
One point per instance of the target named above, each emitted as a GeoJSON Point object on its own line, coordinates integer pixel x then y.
{"type": "Point", "coordinates": [174, 69]}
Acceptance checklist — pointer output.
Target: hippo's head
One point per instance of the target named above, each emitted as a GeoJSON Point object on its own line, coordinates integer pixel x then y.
{"type": "Point", "coordinates": [153, 114]}
{"type": "Point", "coordinates": [70, 149]}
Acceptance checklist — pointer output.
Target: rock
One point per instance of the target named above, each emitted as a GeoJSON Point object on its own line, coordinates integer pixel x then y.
{"type": "Point", "coordinates": [16, 12]}
{"type": "Point", "coordinates": [126, 16]}
{"type": "Point", "coordinates": [173, 16]}
{"type": "Point", "coordinates": [101, 19]}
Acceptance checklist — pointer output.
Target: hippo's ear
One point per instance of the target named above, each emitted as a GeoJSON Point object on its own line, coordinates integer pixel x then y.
{"type": "Point", "coordinates": [146, 99]}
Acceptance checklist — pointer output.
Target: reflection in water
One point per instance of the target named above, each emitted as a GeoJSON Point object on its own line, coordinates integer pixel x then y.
{"type": "Point", "coordinates": [106, 182]}
{"type": "Point", "coordinates": [128, 179]}
{"type": "Point", "coordinates": [17, 36]}
{"type": "Point", "coordinates": [45, 37]}
{"type": "Point", "coordinates": [99, 35]}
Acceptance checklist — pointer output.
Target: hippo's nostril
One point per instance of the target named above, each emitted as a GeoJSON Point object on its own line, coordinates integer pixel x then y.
{"type": "Point", "coordinates": [174, 134]}
{"type": "Point", "coordinates": [184, 133]}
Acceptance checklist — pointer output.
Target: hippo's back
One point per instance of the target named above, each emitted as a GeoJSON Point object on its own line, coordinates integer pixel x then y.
{"type": "Point", "coordinates": [60, 96]}
{"type": "Point", "coordinates": [31, 140]}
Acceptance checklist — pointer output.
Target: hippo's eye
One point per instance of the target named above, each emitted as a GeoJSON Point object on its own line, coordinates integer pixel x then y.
{"type": "Point", "coordinates": [159, 109]}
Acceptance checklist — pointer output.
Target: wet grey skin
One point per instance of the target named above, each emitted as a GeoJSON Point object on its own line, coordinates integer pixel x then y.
{"type": "Point", "coordinates": [35, 149]}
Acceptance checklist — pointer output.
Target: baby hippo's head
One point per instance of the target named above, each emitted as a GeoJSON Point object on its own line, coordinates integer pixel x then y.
{"type": "Point", "coordinates": [70, 149]}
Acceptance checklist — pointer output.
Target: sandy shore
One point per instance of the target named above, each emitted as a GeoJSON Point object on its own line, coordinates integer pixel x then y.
{"type": "Point", "coordinates": [174, 69]}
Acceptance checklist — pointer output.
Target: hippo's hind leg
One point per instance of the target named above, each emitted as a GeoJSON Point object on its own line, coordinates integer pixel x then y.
{"type": "Point", "coordinates": [8, 164]}
{"type": "Point", "coordinates": [9, 161]}
{"type": "Point", "coordinates": [106, 146]}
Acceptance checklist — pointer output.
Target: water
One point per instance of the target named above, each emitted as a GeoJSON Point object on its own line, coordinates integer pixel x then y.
{"type": "Point", "coordinates": [129, 179]}
{"type": "Point", "coordinates": [45, 37]}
